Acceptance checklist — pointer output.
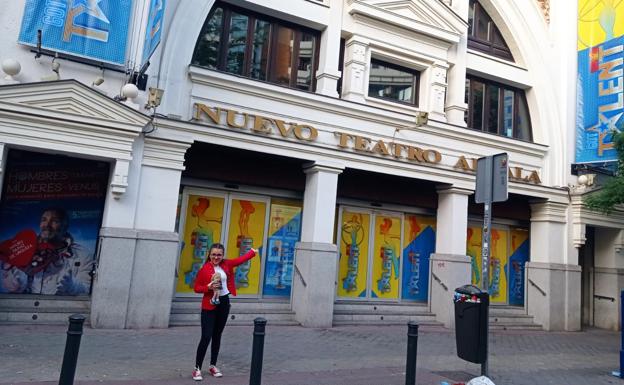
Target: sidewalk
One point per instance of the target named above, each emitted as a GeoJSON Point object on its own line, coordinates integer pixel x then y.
{"type": "Point", "coordinates": [353, 355]}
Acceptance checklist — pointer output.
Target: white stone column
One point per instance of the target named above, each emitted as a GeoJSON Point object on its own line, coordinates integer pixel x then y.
{"type": "Point", "coordinates": [456, 79]}
{"type": "Point", "coordinates": [553, 287]}
{"type": "Point", "coordinates": [450, 266]}
{"type": "Point", "coordinates": [315, 256]}
{"type": "Point", "coordinates": [328, 75]}
{"type": "Point", "coordinates": [117, 243]}
{"type": "Point", "coordinates": [156, 253]}
{"type": "Point", "coordinates": [138, 245]}
{"type": "Point", "coordinates": [354, 75]}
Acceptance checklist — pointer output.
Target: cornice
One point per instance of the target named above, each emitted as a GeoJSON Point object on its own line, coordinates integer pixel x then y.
{"type": "Point", "coordinates": [397, 117]}
{"type": "Point", "coordinates": [549, 211]}
{"type": "Point", "coordinates": [164, 153]}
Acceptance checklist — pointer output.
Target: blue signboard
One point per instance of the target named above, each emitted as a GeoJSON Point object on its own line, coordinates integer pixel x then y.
{"type": "Point", "coordinates": [154, 28]}
{"type": "Point", "coordinates": [600, 100]}
{"type": "Point", "coordinates": [95, 29]}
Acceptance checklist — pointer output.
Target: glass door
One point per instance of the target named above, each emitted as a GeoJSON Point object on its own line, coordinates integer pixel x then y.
{"type": "Point", "coordinates": [353, 234]}
{"type": "Point", "coordinates": [508, 254]}
{"type": "Point", "coordinates": [386, 256]}
{"type": "Point", "coordinates": [371, 245]}
{"type": "Point", "coordinates": [240, 222]}
{"type": "Point", "coordinates": [246, 229]}
{"type": "Point", "coordinates": [200, 227]}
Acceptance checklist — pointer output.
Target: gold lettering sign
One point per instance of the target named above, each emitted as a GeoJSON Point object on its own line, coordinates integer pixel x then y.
{"type": "Point", "coordinates": [306, 133]}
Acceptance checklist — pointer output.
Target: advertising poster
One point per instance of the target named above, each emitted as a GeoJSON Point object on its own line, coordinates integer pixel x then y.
{"type": "Point", "coordinates": [95, 29]}
{"type": "Point", "coordinates": [284, 233]}
{"type": "Point", "coordinates": [202, 227]}
{"type": "Point", "coordinates": [353, 263]}
{"type": "Point", "coordinates": [386, 257]}
{"type": "Point", "coordinates": [519, 256]}
{"type": "Point", "coordinates": [246, 230]}
{"type": "Point", "coordinates": [154, 28]}
{"type": "Point", "coordinates": [473, 249]}
{"type": "Point", "coordinates": [50, 217]}
{"type": "Point", "coordinates": [600, 94]}
{"type": "Point", "coordinates": [498, 263]}
{"type": "Point", "coordinates": [418, 244]}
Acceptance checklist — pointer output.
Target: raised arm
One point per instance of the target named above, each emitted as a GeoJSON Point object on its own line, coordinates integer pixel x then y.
{"type": "Point", "coordinates": [243, 258]}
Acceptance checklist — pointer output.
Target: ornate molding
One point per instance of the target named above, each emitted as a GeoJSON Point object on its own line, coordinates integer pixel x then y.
{"type": "Point", "coordinates": [545, 7]}
{"type": "Point", "coordinates": [431, 18]}
{"type": "Point", "coordinates": [119, 183]}
{"type": "Point", "coordinates": [71, 118]}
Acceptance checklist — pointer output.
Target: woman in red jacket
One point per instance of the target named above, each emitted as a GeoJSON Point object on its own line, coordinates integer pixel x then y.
{"type": "Point", "coordinates": [214, 317]}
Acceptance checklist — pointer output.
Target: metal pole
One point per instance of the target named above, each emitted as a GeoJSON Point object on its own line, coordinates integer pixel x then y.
{"type": "Point", "coordinates": [622, 333]}
{"type": "Point", "coordinates": [412, 344]}
{"type": "Point", "coordinates": [487, 223]}
{"type": "Point", "coordinates": [72, 345]}
{"type": "Point", "coordinates": [255, 376]}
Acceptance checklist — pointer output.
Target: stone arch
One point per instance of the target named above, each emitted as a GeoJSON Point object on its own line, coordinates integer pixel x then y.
{"type": "Point", "coordinates": [186, 23]}
{"type": "Point", "coordinates": [524, 29]}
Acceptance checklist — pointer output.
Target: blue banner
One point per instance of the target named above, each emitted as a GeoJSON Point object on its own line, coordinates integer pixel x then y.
{"type": "Point", "coordinates": [415, 284]}
{"type": "Point", "coordinates": [154, 28]}
{"type": "Point", "coordinates": [600, 100]}
{"type": "Point", "coordinates": [95, 29]}
{"type": "Point", "coordinates": [516, 269]}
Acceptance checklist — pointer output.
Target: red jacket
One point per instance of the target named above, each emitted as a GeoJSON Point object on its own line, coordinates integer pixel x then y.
{"type": "Point", "coordinates": [207, 271]}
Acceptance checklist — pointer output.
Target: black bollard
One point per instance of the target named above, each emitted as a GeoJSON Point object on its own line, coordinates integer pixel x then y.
{"type": "Point", "coordinates": [255, 377]}
{"type": "Point", "coordinates": [412, 344]}
{"type": "Point", "coordinates": [72, 345]}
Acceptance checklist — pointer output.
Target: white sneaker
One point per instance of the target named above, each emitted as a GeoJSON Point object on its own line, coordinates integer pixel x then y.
{"type": "Point", "coordinates": [214, 371]}
{"type": "Point", "coordinates": [197, 374]}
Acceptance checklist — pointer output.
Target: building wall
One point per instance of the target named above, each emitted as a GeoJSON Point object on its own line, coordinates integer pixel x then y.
{"type": "Point", "coordinates": [340, 145]}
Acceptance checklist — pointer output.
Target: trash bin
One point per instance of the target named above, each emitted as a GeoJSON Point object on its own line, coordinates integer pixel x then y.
{"type": "Point", "coordinates": [471, 313]}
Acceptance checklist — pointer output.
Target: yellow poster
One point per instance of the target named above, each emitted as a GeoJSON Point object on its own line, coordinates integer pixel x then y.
{"type": "Point", "coordinates": [473, 249]}
{"type": "Point", "coordinates": [353, 264]}
{"type": "Point", "coordinates": [202, 227]}
{"type": "Point", "coordinates": [246, 230]}
{"type": "Point", "coordinates": [386, 256]}
{"type": "Point", "coordinates": [498, 263]}
{"type": "Point", "coordinates": [599, 21]}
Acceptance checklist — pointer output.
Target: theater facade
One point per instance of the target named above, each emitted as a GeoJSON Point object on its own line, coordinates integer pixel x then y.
{"type": "Point", "coordinates": [338, 137]}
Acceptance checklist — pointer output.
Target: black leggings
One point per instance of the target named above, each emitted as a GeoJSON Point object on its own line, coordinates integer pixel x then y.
{"type": "Point", "coordinates": [212, 325]}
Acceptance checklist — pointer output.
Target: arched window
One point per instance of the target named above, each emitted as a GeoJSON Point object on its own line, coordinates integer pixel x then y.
{"type": "Point", "coordinates": [483, 35]}
{"type": "Point", "coordinates": [245, 43]}
{"type": "Point", "coordinates": [497, 109]}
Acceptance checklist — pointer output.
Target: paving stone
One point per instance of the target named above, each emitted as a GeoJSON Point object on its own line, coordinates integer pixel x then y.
{"type": "Point", "coordinates": [353, 355]}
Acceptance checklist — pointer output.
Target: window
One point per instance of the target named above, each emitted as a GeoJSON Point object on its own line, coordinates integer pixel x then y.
{"type": "Point", "coordinates": [389, 81]}
{"type": "Point", "coordinates": [497, 109]}
{"type": "Point", "coordinates": [483, 35]}
{"type": "Point", "coordinates": [244, 43]}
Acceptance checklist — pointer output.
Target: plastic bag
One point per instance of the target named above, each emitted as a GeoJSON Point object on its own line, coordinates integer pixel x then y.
{"type": "Point", "coordinates": [483, 380]}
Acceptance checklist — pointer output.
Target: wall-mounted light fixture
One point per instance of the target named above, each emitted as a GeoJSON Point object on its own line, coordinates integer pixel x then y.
{"type": "Point", "coordinates": [11, 68]}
